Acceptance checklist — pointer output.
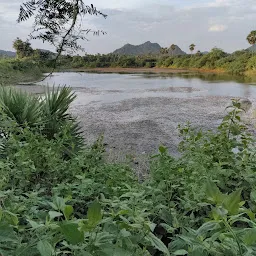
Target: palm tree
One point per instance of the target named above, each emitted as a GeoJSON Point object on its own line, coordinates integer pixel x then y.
{"type": "Point", "coordinates": [164, 50]}
{"type": "Point", "coordinates": [173, 47]}
{"type": "Point", "coordinates": [192, 48]}
{"type": "Point", "coordinates": [251, 38]}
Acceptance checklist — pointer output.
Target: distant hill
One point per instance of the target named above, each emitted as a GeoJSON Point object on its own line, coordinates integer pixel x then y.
{"type": "Point", "coordinates": [7, 53]}
{"type": "Point", "coordinates": [252, 48]}
{"type": "Point", "coordinates": [142, 49]}
{"type": "Point", "coordinates": [176, 52]}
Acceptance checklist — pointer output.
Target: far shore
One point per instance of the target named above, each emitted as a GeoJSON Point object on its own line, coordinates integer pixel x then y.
{"type": "Point", "coordinates": [143, 70]}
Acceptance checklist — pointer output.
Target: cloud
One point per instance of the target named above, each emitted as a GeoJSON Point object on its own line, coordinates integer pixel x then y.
{"type": "Point", "coordinates": [181, 22]}
{"type": "Point", "coordinates": [217, 28]}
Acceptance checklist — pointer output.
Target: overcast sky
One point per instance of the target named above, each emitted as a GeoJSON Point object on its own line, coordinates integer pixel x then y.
{"type": "Point", "coordinates": [206, 23]}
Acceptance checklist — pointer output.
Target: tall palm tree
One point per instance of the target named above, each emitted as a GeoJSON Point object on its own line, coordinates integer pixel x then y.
{"type": "Point", "coordinates": [173, 47]}
{"type": "Point", "coordinates": [251, 38]}
{"type": "Point", "coordinates": [192, 48]}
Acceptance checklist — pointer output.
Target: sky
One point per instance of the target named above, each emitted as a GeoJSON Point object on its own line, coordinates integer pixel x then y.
{"type": "Point", "coordinates": [206, 23]}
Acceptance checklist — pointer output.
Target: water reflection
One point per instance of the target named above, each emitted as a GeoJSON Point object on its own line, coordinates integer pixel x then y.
{"type": "Point", "coordinates": [156, 85]}
{"type": "Point", "coordinates": [209, 77]}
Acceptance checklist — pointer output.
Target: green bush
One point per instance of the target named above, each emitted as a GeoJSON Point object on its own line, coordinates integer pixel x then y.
{"type": "Point", "coordinates": [251, 65]}
{"type": "Point", "coordinates": [201, 203]}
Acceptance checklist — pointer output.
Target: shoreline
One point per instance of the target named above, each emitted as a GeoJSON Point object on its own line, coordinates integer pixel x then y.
{"type": "Point", "coordinates": [155, 70]}
{"type": "Point", "coordinates": [140, 70]}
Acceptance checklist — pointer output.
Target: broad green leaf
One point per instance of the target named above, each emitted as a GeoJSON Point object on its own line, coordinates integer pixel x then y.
{"type": "Point", "coordinates": [71, 233]}
{"type": "Point", "coordinates": [68, 211]}
{"type": "Point", "coordinates": [125, 233]}
{"type": "Point", "coordinates": [212, 192]}
{"type": "Point", "coordinates": [11, 217]}
{"type": "Point", "coordinates": [103, 238]}
{"type": "Point", "coordinates": [151, 226]}
{"type": "Point", "coordinates": [157, 243]}
{"type": "Point", "coordinates": [250, 237]}
{"type": "Point", "coordinates": [7, 234]}
{"type": "Point", "coordinates": [94, 214]}
{"type": "Point", "coordinates": [181, 252]}
{"type": "Point", "coordinates": [45, 248]}
{"type": "Point", "coordinates": [34, 224]}
{"type": "Point", "coordinates": [253, 195]}
{"type": "Point", "coordinates": [59, 203]}
{"type": "Point", "coordinates": [54, 214]}
{"type": "Point", "coordinates": [232, 202]}
{"type": "Point", "coordinates": [166, 216]}
{"type": "Point", "coordinates": [206, 227]}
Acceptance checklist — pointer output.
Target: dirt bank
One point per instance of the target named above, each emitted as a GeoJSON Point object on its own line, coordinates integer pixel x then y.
{"type": "Point", "coordinates": [131, 70]}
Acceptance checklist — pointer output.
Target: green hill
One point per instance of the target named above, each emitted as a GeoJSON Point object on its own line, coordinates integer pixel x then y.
{"type": "Point", "coordinates": [175, 52]}
{"type": "Point", "coordinates": [142, 49]}
{"type": "Point", "coordinates": [7, 53]}
{"type": "Point", "coordinates": [252, 48]}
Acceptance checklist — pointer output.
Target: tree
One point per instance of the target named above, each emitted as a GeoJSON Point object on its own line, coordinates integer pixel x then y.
{"type": "Point", "coordinates": [173, 47]}
{"type": "Point", "coordinates": [59, 22]}
{"type": "Point", "coordinates": [251, 38]}
{"type": "Point", "coordinates": [192, 48]}
{"type": "Point", "coordinates": [164, 51]}
{"type": "Point", "coordinates": [23, 49]}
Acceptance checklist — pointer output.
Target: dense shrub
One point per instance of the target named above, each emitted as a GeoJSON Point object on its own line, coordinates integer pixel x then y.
{"type": "Point", "coordinates": [14, 71]}
{"type": "Point", "coordinates": [202, 203]}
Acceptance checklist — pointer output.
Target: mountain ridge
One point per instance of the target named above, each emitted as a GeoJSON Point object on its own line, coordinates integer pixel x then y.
{"type": "Point", "coordinates": [146, 48]}
{"type": "Point", "coordinates": [7, 53]}
{"type": "Point", "coordinates": [141, 49]}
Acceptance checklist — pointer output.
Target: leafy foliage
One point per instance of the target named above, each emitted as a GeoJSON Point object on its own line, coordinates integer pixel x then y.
{"type": "Point", "coordinates": [55, 21]}
{"type": "Point", "coordinates": [202, 203]}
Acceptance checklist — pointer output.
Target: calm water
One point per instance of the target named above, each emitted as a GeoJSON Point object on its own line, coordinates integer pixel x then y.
{"type": "Point", "coordinates": [112, 87]}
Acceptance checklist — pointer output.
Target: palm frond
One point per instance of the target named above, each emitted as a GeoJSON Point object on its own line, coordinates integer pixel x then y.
{"type": "Point", "coordinates": [57, 102]}
{"type": "Point", "coordinates": [21, 107]}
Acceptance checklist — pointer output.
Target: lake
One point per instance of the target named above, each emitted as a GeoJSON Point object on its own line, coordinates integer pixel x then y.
{"type": "Point", "coordinates": [126, 86]}
{"type": "Point", "coordinates": [138, 112]}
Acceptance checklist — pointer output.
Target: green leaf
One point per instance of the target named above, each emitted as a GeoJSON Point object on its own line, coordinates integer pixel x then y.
{"type": "Point", "coordinates": [180, 252]}
{"type": "Point", "coordinates": [250, 237]}
{"type": "Point", "coordinates": [54, 214]}
{"type": "Point", "coordinates": [157, 243]}
{"type": "Point", "coordinates": [71, 233]}
{"type": "Point", "coordinates": [68, 211]}
{"type": "Point", "coordinates": [94, 214]}
{"type": "Point", "coordinates": [45, 248]}
{"type": "Point", "coordinates": [162, 149]}
{"type": "Point", "coordinates": [207, 227]}
{"type": "Point", "coordinates": [11, 218]}
{"type": "Point", "coordinates": [34, 224]}
{"type": "Point", "coordinates": [212, 192]}
{"type": "Point", "coordinates": [125, 233]}
{"type": "Point", "coordinates": [103, 238]}
{"type": "Point", "coordinates": [59, 203]}
{"type": "Point", "coordinates": [253, 195]}
{"type": "Point", "coordinates": [7, 233]}
{"type": "Point", "coordinates": [83, 254]}
{"type": "Point", "coordinates": [232, 202]}
{"type": "Point", "coordinates": [113, 250]}
{"type": "Point", "coordinates": [151, 226]}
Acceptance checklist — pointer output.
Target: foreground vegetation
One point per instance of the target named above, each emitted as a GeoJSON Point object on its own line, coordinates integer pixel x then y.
{"type": "Point", "coordinates": [60, 197]}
